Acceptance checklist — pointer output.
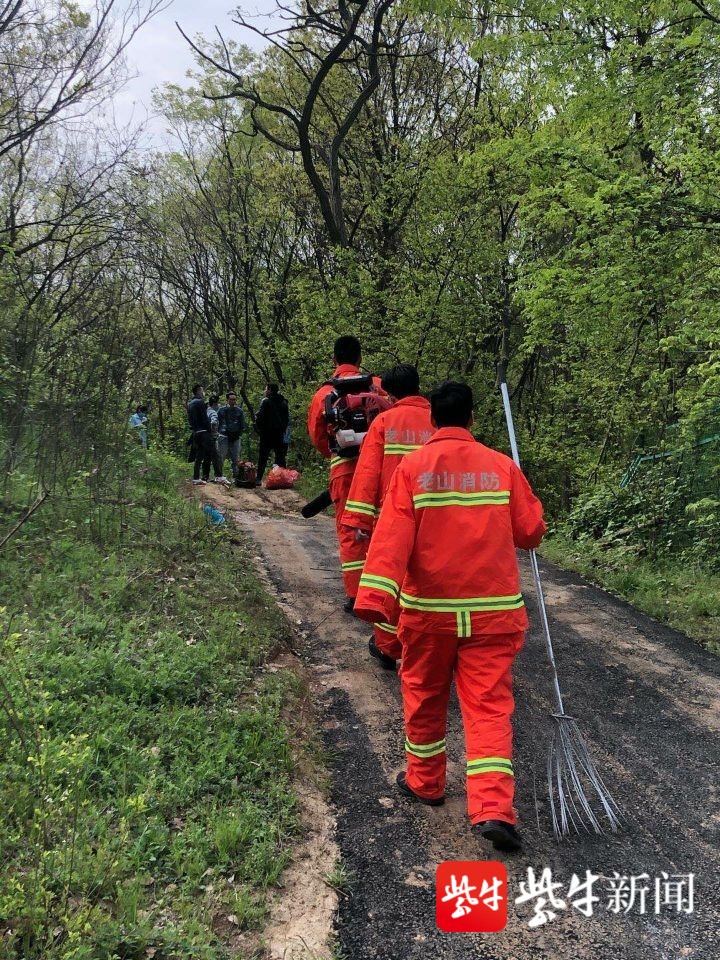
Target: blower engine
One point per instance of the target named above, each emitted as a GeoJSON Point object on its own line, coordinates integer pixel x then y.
{"type": "Point", "coordinates": [350, 408]}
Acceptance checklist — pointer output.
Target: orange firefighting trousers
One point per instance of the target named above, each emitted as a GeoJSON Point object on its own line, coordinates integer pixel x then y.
{"type": "Point", "coordinates": [352, 551]}
{"type": "Point", "coordinates": [481, 665]}
{"type": "Point", "coordinates": [386, 640]}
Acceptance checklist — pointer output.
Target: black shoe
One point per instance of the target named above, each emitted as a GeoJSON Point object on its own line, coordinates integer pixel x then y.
{"type": "Point", "coordinates": [503, 835]}
{"type": "Point", "coordinates": [407, 792]}
{"type": "Point", "coordinates": [349, 605]}
{"type": "Point", "coordinates": [386, 662]}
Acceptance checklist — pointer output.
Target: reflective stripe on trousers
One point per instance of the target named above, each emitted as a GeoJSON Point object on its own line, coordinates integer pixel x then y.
{"type": "Point", "coordinates": [386, 640]}
{"type": "Point", "coordinates": [481, 665]}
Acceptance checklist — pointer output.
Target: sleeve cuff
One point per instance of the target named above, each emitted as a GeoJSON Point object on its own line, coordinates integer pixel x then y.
{"type": "Point", "coordinates": [356, 522]}
{"type": "Point", "coordinates": [368, 614]}
{"type": "Point", "coordinates": [374, 606]}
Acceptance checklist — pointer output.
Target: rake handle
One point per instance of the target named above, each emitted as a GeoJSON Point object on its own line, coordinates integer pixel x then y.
{"type": "Point", "coordinates": [533, 556]}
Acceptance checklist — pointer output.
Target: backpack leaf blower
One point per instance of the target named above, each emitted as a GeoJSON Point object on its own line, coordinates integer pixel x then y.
{"type": "Point", "coordinates": [350, 407]}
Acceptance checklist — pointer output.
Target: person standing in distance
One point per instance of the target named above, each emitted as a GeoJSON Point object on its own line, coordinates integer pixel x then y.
{"type": "Point", "coordinates": [201, 437]}
{"type": "Point", "coordinates": [213, 412]}
{"type": "Point", "coordinates": [139, 423]}
{"type": "Point", "coordinates": [232, 426]}
{"type": "Point", "coordinates": [271, 422]}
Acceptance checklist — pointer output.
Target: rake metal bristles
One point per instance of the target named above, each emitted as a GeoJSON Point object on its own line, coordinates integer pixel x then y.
{"type": "Point", "coordinates": [571, 773]}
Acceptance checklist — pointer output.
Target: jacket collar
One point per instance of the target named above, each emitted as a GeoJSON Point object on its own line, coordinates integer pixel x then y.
{"type": "Point", "coordinates": [415, 401]}
{"type": "Point", "coordinates": [452, 433]}
{"type": "Point", "coordinates": [347, 370]}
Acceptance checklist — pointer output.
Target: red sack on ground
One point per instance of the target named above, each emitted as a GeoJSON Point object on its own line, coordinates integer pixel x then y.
{"type": "Point", "coordinates": [280, 478]}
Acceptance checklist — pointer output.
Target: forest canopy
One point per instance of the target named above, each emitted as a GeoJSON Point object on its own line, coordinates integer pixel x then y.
{"type": "Point", "coordinates": [525, 189]}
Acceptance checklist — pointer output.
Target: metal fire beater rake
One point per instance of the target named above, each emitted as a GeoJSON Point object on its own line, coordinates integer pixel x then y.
{"type": "Point", "coordinates": [571, 772]}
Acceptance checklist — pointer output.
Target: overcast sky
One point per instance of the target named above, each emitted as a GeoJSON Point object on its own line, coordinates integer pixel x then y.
{"type": "Point", "coordinates": [159, 54]}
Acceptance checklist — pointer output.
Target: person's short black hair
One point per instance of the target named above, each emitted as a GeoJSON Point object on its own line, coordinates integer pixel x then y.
{"type": "Point", "coordinates": [347, 350]}
{"type": "Point", "coordinates": [230, 393]}
{"type": "Point", "coordinates": [451, 404]}
{"type": "Point", "coordinates": [143, 408]}
{"type": "Point", "coordinates": [214, 398]}
{"type": "Point", "coordinates": [196, 387]}
{"type": "Point", "coordinates": [401, 381]}
{"type": "Point", "coordinates": [273, 388]}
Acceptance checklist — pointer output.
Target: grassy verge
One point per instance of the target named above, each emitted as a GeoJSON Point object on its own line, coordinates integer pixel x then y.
{"type": "Point", "coordinates": [314, 475]}
{"type": "Point", "coordinates": [685, 597]}
{"type": "Point", "coordinates": [145, 764]}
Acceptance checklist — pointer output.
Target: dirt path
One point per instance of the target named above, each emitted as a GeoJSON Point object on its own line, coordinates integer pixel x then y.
{"type": "Point", "coordinates": [645, 697]}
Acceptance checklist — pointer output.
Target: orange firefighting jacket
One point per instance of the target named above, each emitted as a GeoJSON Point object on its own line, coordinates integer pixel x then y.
{"type": "Point", "coordinates": [444, 546]}
{"type": "Point", "coordinates": [317, 425]}
{"type": "Point", "coordinates": [404, 428]}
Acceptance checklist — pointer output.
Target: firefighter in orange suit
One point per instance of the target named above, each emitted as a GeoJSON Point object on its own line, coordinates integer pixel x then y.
{"type": "Point", "coordinates": [402, 429]}
{"type": "Point", "coordinates": [347, 355]}
{"type": "Point", "coordinates": [444, 551]}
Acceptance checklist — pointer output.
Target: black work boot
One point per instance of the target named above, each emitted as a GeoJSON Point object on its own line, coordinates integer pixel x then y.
{"type": "Point", "coordinates": [349, 605]}
{"type": "Point", "coordinates": [408, 792]}
{"type": "Point", "coordinates": [385, 661]}
{"type": "Point", "coordinates": [502, 835]}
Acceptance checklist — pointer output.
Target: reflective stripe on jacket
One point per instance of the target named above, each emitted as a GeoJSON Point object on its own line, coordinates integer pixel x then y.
{"type": "Point", "coordinates": [401, 430]}
{"type": "Point", "coordinates": [443, 549]}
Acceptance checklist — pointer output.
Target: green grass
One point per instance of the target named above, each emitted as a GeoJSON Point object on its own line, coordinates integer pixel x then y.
{"type": "Point", "coordinates": [314, 477]}
{"type": "Point", "coordinates": [676, 593]}
{"type": "Point", "coordinates": [145, 760]}
{"type": "Point", "coordinates": [340, 879]}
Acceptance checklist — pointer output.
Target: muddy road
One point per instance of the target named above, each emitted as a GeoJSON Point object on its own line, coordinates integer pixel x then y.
{"type": "Point", "coordinates": [645, 697]}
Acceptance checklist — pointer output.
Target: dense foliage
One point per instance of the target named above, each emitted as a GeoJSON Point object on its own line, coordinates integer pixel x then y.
{"type": "Point", "coordinates": [530, 186]}
{"type": "Point", "coordinates": [146, 767]}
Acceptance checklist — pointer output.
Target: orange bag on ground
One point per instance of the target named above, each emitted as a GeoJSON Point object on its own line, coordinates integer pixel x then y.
{"type": "Point", "coordinates": [280, 478]}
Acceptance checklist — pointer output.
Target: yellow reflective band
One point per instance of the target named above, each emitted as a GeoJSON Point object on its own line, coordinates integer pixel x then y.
{"type": "Point", "coordinates": [454, 498]}
{"type": "Point", "coordinates": [464, 626]}
{"type": "Point", "coordinates": [334, 461]}
{"type": "Point", "coordinates": [374, 582]}
{"type": "Point", "coordinates": [461, 605]}
{"type": "Point", "coordinates": [386, 627]}
{"type": "Point", "coordinates": [425, 750]}
{"type": "Point", "coordinates": [474, 773]}
{"type": "Point", "coordinates": [401, 448]}
{"type": "Point", "coordinates": [490, 765]}
{"type": "Point", "coordinates": [357, 506]}
{"type": "Point", "coordinates": [353, 565]}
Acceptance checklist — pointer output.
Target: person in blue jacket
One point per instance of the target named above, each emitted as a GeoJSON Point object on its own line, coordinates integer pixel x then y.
{"type": "Point", "coordinates": [232, 426]}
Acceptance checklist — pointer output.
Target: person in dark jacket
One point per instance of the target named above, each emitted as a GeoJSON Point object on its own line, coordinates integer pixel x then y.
{"type": "Point", "coordinates": [232, 426]}
{"type": "Point", "coordinates": [202, 440]}
{"type": "Point", "coordinates": [271, 422]}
